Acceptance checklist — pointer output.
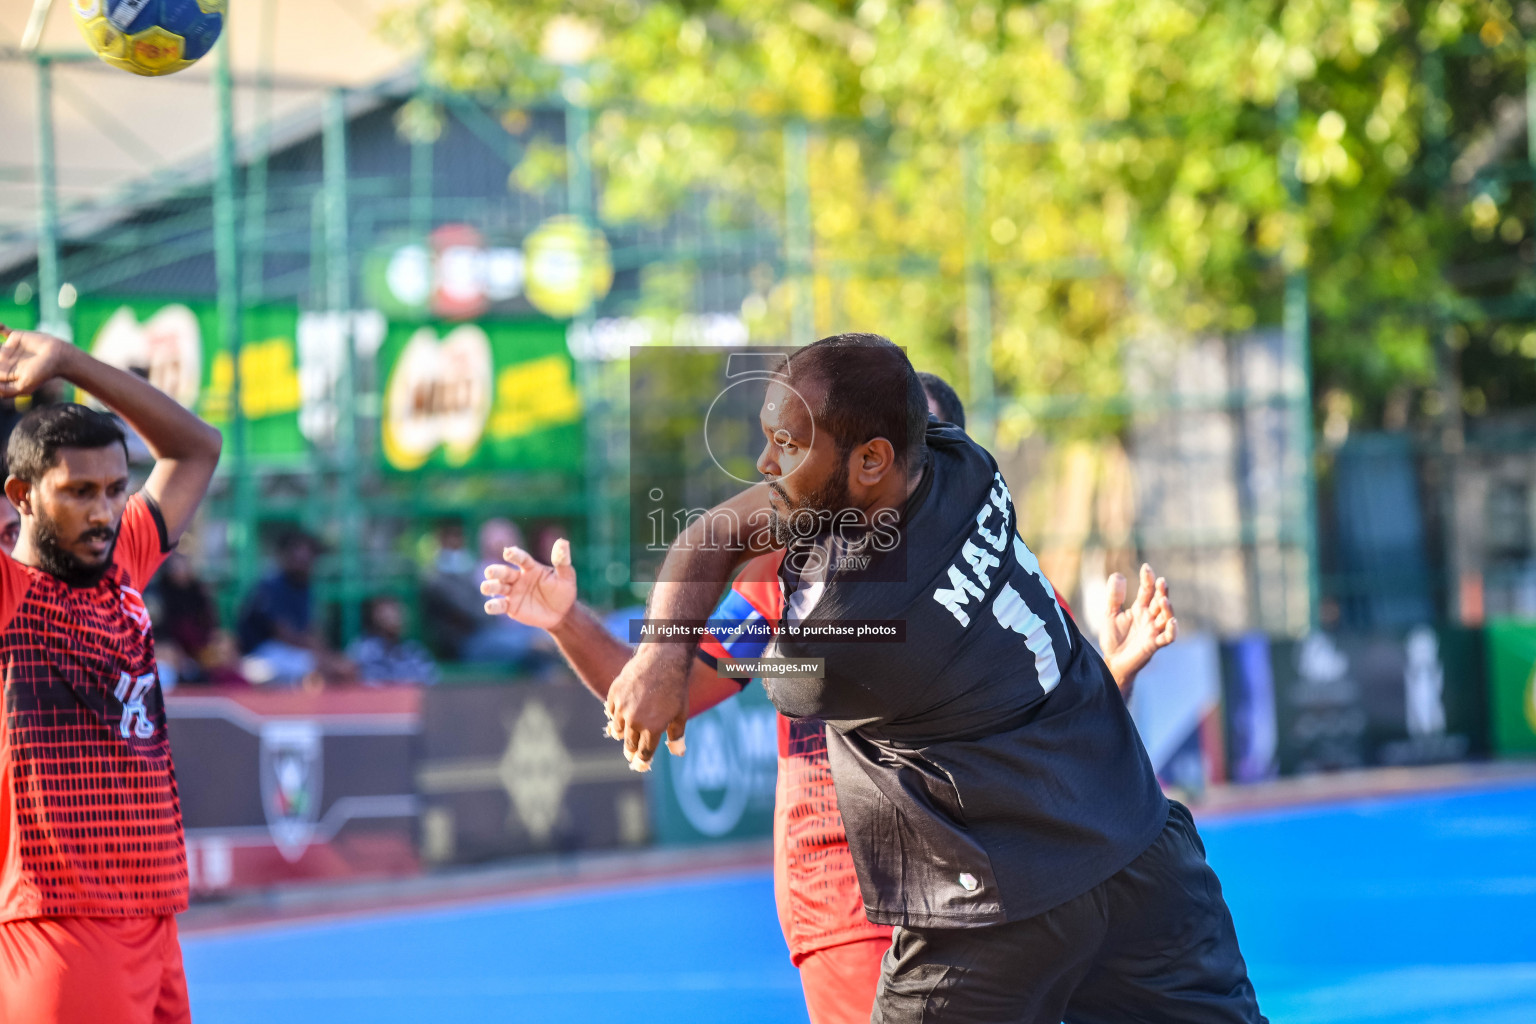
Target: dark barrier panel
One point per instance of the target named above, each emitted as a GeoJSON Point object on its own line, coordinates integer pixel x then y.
{"type": "Point", "coordinates": [723, 787]}
{"type": "Point", "coordinates": [1248, 702]}
{"type": "Point", "coordinates": [1512, 685]}
{"type": "Point", "coordinates": [281, 786]}
{"type": "Point", "coordinates": [1357, 700]}
{"type": "Point", "coordinates": [509, 770]}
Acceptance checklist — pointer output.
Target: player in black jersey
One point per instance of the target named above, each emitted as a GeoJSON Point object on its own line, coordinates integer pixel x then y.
{"type": "Point", "coordinates": [1000, 808]}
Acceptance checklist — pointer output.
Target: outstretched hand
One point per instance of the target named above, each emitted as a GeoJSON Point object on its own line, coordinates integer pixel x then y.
{"type": "Point", "coordinates": [1131, 635]}
{"type": "Point", "coordinates": [527, 590]}
{"type": "Point", "coordinates": [647, 700]}
{"type": "Point", "coordinates": [28, 360]}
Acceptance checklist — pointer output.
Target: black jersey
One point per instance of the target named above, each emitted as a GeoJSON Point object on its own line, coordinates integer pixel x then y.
{"type": "Point", "coordinates": [986, 766]}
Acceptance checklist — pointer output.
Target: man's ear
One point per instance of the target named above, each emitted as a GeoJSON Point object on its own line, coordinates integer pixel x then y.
{"type": "Point", "coordinates": [873, 461]}
{"type": "Point", "coordinates": [20, 493]}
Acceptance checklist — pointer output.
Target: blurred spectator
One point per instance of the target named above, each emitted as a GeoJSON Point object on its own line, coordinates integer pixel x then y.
{"type": "Point", "coordinates": [278, 631]}
{"type": "Point", "coordinates": [451, 555]}
{"type": "Point", "coordinates": [450, 612]}
{"type": "Point", "coordinates": [383, 655]}
{"type": "Point", "coordinates": [454, 610]}
{"type": "Point", "coordinates": [185, 620]}
{"type": "Point", "coordinates": [221, 661]}
{"type": "Point", "coordinates": [187, 616]}
{"type": "Point", "coordinates": [499, 639]}
{"type": "Point", "coordinates": [496, 535]}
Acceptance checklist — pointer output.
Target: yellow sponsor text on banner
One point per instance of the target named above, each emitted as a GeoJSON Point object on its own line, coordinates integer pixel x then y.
{"type": "Point", "coordinates": [533, 396]}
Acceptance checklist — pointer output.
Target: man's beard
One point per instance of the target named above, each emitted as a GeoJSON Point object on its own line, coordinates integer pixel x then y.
{"type": "Point", "coordinates": [56, 561]}
{"type": "Point", "coordinates": [813, 513]}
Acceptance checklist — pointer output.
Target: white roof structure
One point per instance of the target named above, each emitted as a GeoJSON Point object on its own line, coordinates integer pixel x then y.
{"type": "Point", "coordinates": [115, 131]}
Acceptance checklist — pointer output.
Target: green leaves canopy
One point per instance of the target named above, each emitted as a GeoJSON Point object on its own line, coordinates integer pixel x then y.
{"type": "Point", "coordinates": [1132, 162]}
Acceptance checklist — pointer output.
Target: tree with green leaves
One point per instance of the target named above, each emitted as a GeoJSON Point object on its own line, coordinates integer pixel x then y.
{"type": "Point", "coordinates": [1121, 168]}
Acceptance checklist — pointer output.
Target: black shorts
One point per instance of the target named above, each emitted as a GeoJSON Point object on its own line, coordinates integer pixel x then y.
{"type": "Point", "coordinates": [1154, 943]}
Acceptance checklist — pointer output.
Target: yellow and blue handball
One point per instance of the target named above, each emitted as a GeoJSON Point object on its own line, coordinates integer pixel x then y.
{"type": "Point", "coordinates": [150, 37]}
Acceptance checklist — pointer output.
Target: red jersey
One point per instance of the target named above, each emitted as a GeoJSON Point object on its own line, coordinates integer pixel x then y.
{"type": "Point", "coordinates": [90, 821]}
{"type": "Point", "coordinates": [814, 883]}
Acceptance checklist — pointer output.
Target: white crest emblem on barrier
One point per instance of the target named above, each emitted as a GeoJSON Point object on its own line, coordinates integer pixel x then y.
{"type": "Point", "coordinates": [291, 773]}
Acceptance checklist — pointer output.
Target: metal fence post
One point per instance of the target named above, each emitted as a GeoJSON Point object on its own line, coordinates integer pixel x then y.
{"type": "Point", "coordinates": [981, 420]}
{"type": "Point", "coordinates": [1449, 425]}
{"type": "Point", "coordinates": [50, 318]}
{"type": "Point", "coordinates": [1298, 357]}
{"type": "Point", "coordinates": [423, 148]}
{"type": "Point", "coordinates": [231, 312]}
{"type": "Point", "coordinates": [603, 430]}
{"type": "Point", "coordinates": [797, 224]}
{"type": "Point", "coordinates": [338, 282]}
{"type": "Point", "coordinates": [422, 153]}
{"type": "Point", "coordinates": [254, 255]}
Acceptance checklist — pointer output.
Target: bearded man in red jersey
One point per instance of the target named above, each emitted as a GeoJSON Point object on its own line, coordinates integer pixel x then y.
{"type": "Point", "coordinates": [95, 865]}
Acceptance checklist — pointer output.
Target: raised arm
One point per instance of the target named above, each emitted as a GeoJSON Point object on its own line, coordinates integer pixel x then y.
{"type": "Point", "coordinates": [186, 449]}
{"type": "Point", "coordinates": [649, 699]}
{"type": "Point", "coordinates": [544, 596]}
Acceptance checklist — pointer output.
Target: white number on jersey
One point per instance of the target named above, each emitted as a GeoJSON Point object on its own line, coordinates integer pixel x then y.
{"type": "Point", "coordinates": [1012, 612]}
{"type": "Point", "coordinates": [131, 692]}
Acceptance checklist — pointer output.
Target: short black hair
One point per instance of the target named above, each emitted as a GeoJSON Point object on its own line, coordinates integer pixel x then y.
{"type": "Point", "coordinates": [951, 409]}
{"type": "Point", "coordinates": [869, 390]}
{"type": "Point", "coordinates": [35, 442]}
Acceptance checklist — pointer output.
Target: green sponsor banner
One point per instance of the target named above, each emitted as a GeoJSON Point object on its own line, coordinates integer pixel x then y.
{"type": "Point", "coordinates": [494, 395]}
{"type": "Point", "coordinates": [16, 317]}
{"type": "Point", "coordinates": [1512, 685]}
{"type": "Point", "coordinates": [176, 346]}
{"type": "Point", "coordinates": [723, 787]}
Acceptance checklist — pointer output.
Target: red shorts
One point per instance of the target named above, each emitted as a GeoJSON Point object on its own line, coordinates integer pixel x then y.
{"type": "Point", "coordinates": [840, 981]}
{"type": "Point", "coordinates": [92, 970]}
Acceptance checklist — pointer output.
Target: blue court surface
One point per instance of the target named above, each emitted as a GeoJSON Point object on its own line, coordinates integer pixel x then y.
{"type": "Point", "coordinates": [1386, 911]}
